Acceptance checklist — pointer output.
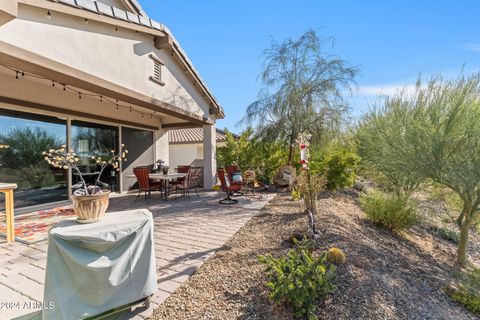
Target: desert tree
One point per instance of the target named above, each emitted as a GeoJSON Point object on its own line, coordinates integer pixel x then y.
{"type": "Point", "coordinates": [432, 132]}
{"type": "Point", "coordinates": [302, 91]}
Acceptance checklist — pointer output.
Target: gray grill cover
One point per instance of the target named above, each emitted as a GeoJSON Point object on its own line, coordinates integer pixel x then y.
{"type": "Point", "coordinates": [93, 268]}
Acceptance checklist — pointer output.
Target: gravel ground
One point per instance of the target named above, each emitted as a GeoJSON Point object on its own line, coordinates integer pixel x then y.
{"type": "Point", "coordinates": [386, 276]}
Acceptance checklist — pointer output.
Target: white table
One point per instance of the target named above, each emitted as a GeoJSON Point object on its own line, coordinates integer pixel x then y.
{"type": "Point", "coordinates": [165, 178]}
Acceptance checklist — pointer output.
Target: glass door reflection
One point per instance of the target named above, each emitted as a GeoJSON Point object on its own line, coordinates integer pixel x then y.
{"type": "Point", "coordinates": [94, 140]}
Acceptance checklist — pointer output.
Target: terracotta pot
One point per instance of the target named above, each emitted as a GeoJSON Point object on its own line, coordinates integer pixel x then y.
{"type": "Point", "coordinates": [91, 208]}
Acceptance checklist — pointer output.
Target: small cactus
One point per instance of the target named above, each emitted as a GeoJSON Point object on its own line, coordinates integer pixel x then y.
{"type": "Point", "coordinates": [336, 256]}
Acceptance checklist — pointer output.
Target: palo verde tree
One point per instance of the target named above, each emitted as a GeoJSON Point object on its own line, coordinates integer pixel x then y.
{"type": "Point", "coordinates": [433, 133]}
{"type": "Point", "coordinates": [303, 87]}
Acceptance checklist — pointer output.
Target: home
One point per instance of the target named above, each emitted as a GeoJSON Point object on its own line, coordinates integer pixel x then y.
{"type": "Point", "coordinates": [186, 146]}
{"type": "Point", "coordinates": [93, 75]}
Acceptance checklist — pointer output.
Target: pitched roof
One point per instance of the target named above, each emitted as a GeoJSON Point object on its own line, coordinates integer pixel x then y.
{"type": "Point", "coordinates": [143, 20]}
{"type": "Point", "coordinates": [191, 135]}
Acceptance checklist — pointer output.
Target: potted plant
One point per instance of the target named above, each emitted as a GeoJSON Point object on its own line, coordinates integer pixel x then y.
{"type": "Point", "coordinates": [160, 163]}
{"type": "Point", "coordinates": [165, 169]}
{"type": "Point", "coordinates": [89, 202]}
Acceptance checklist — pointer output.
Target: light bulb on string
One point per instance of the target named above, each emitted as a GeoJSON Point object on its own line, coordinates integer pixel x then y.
{"type": "Point", "coordinates": [16, 74]}
{"type": "Point", "coordinates": [49, 15]}
{"type": "Point", "coordinates": [53, 83]}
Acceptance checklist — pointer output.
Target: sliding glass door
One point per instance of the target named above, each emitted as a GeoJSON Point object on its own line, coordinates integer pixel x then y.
{"type": "Point", "coordinates": [139, 144]}
{"type": "Point", "coordinates": [27, 136]}
{"type": "Point", "coordinates": [94, 140]}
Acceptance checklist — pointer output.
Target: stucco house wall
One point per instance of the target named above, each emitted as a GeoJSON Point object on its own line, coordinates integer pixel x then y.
{"type": "Point", "coordinates": [186, 154]}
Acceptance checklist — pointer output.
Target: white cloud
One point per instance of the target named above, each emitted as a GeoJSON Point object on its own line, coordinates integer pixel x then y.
{"type": "Point", "coordinates": [383, 90]}
{"type": "Point", "coordinates": [471, 46]}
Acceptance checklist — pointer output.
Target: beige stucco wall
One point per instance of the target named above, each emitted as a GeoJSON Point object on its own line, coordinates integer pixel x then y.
{"type": "Point", "coordinates": [120, 57]}
{"type": "Point", "coordinates": [184, 154]}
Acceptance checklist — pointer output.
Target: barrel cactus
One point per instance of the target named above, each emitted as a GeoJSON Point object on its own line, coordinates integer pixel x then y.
{"type": "Point", "coordinates": [336, 256]}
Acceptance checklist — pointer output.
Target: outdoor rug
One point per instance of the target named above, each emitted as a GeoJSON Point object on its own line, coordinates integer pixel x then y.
{"type": "Point", "coordinates": [33, 227]}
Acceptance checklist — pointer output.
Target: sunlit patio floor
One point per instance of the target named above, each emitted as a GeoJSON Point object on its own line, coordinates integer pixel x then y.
{"type": "Point", "coordinates": [186, 234]}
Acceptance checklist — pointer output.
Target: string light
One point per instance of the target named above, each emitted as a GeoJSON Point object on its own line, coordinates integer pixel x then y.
{"type": "Point", "coordinates": [49, 15]}
{"type": "Point", "coordinates": [66, 87]}
{"type": "Point", "coordinates": [86, 21]}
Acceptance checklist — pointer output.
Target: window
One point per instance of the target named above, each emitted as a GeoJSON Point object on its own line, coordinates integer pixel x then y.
{"type": "Point", "coordinates": [28, 135]}
{"type": "Point", "coordinates": [157, 70]}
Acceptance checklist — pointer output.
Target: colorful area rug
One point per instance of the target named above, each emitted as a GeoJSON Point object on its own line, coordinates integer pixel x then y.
{"type": "Point", "coordinates": [33, 227]}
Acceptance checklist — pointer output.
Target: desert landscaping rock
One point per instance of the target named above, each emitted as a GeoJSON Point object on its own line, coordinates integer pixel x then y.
{"type": "Point", "coordinates": [387, 276]}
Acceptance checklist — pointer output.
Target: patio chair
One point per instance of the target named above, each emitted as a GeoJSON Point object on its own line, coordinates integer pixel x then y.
{"type": "Point", "coordinates": [179, 181]}
{"type": "Point", "coordinates": [228, 187]}
{"type": "Point", "coordinates": [145, 184]}
{"type": "Point", "coordinates": [231, 169]}
{"type": "Point", "coordinates": [190, 182]}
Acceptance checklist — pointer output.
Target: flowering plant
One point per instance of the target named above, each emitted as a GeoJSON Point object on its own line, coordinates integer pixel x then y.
{"type": "Point", "coordinates": [66, 159]}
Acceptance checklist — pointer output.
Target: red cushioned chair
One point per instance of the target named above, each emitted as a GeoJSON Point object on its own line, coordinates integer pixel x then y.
{"type": "Point", "coordinates": [227, 187]}
{"type": "Point", "coordinates": [145, 184]}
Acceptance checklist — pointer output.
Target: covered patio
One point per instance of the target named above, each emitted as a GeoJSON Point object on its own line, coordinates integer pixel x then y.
{"type": "Point", "coordinates": [186, 234]}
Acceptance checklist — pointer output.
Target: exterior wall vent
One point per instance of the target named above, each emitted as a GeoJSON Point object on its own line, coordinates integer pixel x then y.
{"type": "Point", "coordinates": [157, 70]}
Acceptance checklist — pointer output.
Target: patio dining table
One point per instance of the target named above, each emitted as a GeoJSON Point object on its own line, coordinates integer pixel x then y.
{"type": "Point", "coordinates": [164, 178]}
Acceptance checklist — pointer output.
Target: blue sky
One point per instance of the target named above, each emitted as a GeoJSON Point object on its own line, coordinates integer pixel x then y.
{"type": "Point", "coordinates": [392, 41]}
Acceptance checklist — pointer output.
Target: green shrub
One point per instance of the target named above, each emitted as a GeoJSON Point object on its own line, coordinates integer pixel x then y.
{"type": "Point", "coordinates": [444, 233]}
{"type": "Point", "coordinates": [338, 164]}
{"type": "Point", "coordinates": [340, 168]}
{"type": "Point", "coordinates": [299, 279]}
{"type": "Point", "coordinates": [249, 153]}
{"type": "Point", "coordinates": [391, 211]}
{"type": "Point", "coordinates": [468, 292]}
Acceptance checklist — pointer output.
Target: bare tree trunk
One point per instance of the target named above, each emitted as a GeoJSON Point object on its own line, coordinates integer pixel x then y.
{"type": "Point", "coordinates": [462, 246]}
{"type": "Point", "coordinates": [290, 155]}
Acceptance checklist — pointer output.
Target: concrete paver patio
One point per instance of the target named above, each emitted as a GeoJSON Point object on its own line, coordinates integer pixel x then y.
{"type": "Point", "coordinates": [186, 234]}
